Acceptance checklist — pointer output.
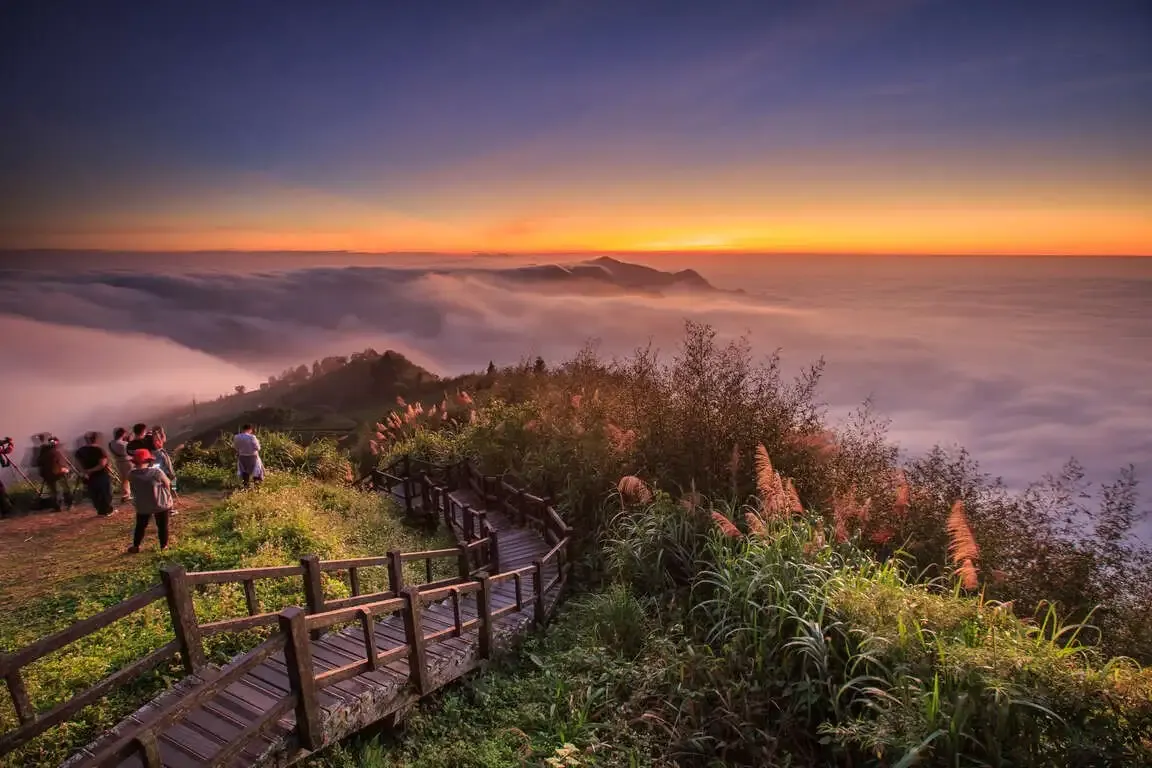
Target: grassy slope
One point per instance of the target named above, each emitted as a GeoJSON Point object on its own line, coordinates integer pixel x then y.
{"type": "Point", "coordinates": [339, 400]}
{"type": "Point", "coordinates": [70, 565]}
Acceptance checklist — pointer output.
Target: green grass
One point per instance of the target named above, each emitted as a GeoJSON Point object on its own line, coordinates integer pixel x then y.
{"type": "Point", "coordinates": [288, 517]}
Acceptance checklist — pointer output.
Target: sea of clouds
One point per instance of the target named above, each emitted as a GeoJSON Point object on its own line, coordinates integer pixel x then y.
{"type": "Point", "coordinates": [1026, 362]}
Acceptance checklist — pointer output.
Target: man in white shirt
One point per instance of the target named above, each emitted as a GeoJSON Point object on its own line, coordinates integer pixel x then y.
{"type": "Point", "coordinates": [248, 464]}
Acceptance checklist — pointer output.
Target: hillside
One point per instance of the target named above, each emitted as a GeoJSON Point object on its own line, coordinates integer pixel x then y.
{"type": "Point", "coordinates": [333, 396]}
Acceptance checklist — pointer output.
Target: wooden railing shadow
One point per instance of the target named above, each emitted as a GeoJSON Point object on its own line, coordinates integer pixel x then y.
{"type": "Point", "coordinates": [421, 488]}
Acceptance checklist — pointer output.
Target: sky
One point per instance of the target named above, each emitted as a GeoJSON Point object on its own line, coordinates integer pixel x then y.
{"type": "Point", "coordinates": [860, 126]}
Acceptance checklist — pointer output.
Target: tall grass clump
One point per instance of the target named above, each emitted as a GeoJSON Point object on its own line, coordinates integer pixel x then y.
{"type": "Point", "coordinates": [214, 466]}
{"type": "Point", "coordinates": [825, 655]}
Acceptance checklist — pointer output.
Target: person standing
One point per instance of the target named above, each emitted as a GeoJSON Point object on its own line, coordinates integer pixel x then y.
{"type": "Point", "coordinates": [5, 501]}
{"type": "Point", "coordinates": [152, 496]}
{"type": "Point", "coordinates": [54, 472]}
{"type": "Point", "coordinates": [163, 458]}
{"type": "Point", "coordinates": [118, 447]}
{"type": "Point", "coordinates": [93, 463]}
{"type": "Point", "coordinates": [248, 464]}
{"type": "Point", "coordinates": [140, 439]}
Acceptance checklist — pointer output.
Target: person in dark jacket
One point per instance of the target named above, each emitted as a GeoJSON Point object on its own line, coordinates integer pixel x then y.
{"type": "Point", "coordinates": [93, 461]}
{"type": "Point", "coordinates": [140, 439]}
{"type": "Point", "coordinates": [6, 507]}
{"type": "Point", "coordinates": [54, 470]}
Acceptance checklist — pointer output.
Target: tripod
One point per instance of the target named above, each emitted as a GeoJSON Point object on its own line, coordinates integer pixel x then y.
{"type": "Point", "coordinates": [7, 462]}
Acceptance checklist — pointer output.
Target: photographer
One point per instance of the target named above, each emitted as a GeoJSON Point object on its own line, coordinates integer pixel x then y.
{"type": "Point", "coordinates": [53, 469]}
{"type": "Point", "coordinates": [94, 464]}
{"type": "Point", "coordinates": [118, 447]}
{"type": "Point", "coordinates": [6, 447]}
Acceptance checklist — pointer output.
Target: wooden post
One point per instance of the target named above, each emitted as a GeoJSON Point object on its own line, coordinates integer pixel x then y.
{"type": "Point", "coordinates": [493, 552]}
{"type": "Point", "coordinates": [462, 559]}
{"type": "Point", "coordinates": [183, 614]}
{"type": "Point", "coordinates": [484, 611]}
{"type": "Point", "coordinates": [468, 523]}
{"type": "Point", "coordinates": [414, 636]}
{"type": "Point", "coordinates": [301, 679]}
{"type": "Point", "coordinates": [538, 588]}
{"type": "Point", "coordinates": [250, 597]}
{"type": "Point", "coordinates": [313, 588]}
{"type": "Point", "coordinates": [354, 580]}
{"type": "Point", "coordinates": [522, 507]}
{"type": "Point", "coordinates": [408, 493]}
{"type": "Point", "coordinates": [395, 572]}
{"type": "Point", "coordinates": [426, 495]}
{"type": "Point", "coordinates": [25, 712]}
{"type": "Point", "coordinates": [368, 626]}
{"type": "Point", "coordinates": [447, 509]}
{"type": "Point", "coordinates": [149, 750]}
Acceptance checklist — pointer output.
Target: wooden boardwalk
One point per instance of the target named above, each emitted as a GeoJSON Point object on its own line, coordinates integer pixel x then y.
{"type": "Point", "coordinates": [305, 688]}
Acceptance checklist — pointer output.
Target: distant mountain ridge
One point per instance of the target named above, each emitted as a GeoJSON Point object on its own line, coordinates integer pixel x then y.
{"type": "Point", "coordinates": [607, 273]}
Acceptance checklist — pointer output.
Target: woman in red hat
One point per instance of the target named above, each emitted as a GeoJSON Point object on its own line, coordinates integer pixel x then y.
{"type": "Point", "coordinates": [152, 495]}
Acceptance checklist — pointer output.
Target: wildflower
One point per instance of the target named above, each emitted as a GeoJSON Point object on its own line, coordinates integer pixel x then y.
{"type": "Point", "coordinates": [755, 524]}
{"type": "Point", "coordinates": [725, 525]}
{"type": "Point", "coordinates": [634, 489]}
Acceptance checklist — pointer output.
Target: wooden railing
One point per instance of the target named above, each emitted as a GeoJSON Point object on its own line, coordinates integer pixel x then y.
{"type": "Point", "coordinates": [477, 561]}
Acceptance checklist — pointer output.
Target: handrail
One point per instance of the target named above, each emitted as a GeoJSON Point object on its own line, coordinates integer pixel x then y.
{"type": "Point", "coordinates": [243, 574]}
{"type": "Point", "coordinates": [431, 554]}
{"type": "Point", "coordinates": [54, 642]}
{"type": "Point", "coordinates": [478, 572]}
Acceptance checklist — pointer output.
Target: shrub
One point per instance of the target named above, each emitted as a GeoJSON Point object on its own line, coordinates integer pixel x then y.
{"type": "Point", "coordinates": [194, 475]}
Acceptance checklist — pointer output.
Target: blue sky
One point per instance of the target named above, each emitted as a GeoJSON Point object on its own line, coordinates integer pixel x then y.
{"type": "Point", "coordinates": [533, 124]}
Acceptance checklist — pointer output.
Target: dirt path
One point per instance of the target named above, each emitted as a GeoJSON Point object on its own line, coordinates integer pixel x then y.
{"type": "Point", "coordinates": [41, 550]}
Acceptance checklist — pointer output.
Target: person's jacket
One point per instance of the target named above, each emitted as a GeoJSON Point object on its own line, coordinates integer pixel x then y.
{"type": "Point", "coordinates": [51, 462]}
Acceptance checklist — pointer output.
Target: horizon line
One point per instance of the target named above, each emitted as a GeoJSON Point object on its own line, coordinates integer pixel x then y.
{"type": "Point", "coordinates": [597, 252]}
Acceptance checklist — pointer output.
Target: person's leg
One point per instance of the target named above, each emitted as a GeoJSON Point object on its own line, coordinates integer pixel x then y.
{"type": "Point", "coordinates": [69, 500]}
{"type": "Point", "coordinates": [162, 528]}
{"type": "Point", "coordinates": [101, 489]}
{"type": "Point", "coordinates": [52, 485]}
{"type": "Point", "coordinates": [125, 487]}
{"type": "Point", "coordinates": [5, 501]}
{"type": "Point", "coordinates": [138, 531]}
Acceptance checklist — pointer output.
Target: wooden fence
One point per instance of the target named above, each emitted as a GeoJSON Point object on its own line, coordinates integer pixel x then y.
{"type": "Point", "coordinates": [423, 487]}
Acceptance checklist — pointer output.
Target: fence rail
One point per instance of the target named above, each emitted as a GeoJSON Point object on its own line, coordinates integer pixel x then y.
{"type": "Point", "coordinates": [478, 570]}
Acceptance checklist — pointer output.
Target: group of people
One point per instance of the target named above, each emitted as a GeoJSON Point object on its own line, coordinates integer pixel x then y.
{"type": "Point", "coordinates": [137, 461]}
{"type": "Point", "coordinates": [140, 465]}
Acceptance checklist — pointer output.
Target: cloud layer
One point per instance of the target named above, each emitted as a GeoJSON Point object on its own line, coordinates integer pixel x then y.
{"type": "Point", "coordinates": [1026, 362]}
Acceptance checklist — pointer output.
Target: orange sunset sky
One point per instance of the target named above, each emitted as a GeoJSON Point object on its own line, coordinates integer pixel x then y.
{"type": "Point", "coordinates": [871, 127]}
